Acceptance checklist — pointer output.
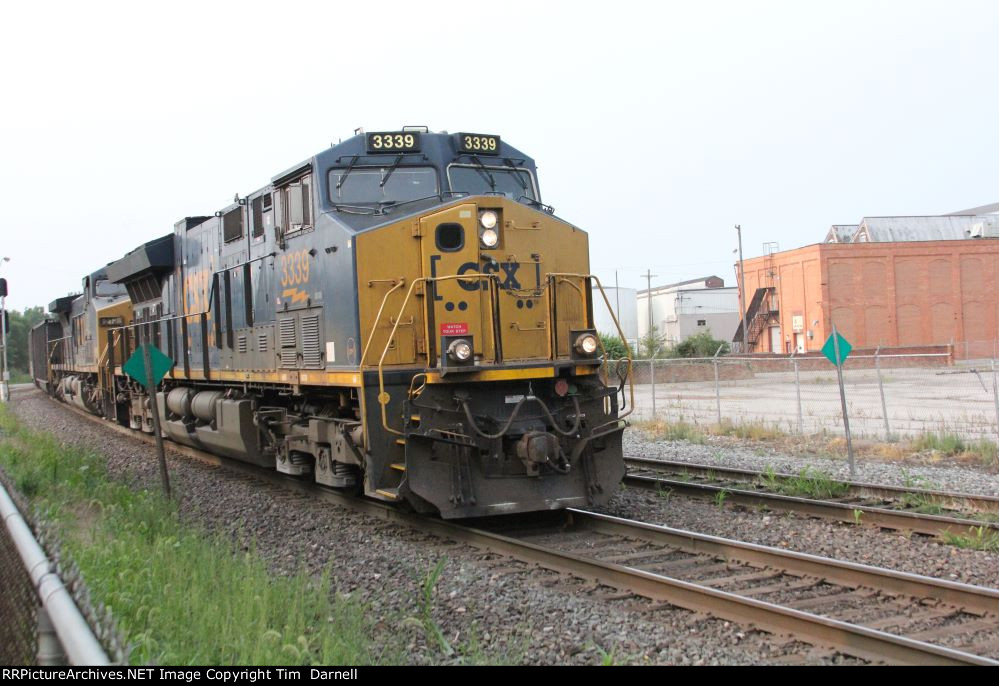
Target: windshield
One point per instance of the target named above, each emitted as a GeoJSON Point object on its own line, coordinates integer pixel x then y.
{"type": "Point", "coordinates": [475, 180]}
{"type": "Point", "coordinates": [105, 288]}
{"type": "Point", "coordinates": [383, 184]}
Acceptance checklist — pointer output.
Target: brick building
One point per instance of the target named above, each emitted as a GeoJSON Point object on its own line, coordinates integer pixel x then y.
{"type": "Point", "coordinates": [913, 292]}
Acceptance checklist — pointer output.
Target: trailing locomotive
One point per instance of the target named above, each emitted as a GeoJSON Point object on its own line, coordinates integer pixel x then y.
{"type": "Point", "coordinates": [399, 314]}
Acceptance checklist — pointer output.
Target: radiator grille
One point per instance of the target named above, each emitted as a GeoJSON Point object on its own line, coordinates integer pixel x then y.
{"type": "Point", "coordinates": [311, 354]}
{"type": "Point", "coordinates": [286, 333]}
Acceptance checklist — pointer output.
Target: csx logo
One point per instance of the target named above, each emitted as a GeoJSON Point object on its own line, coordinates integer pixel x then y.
{"type": "Point", "coordinates": [507, 271]}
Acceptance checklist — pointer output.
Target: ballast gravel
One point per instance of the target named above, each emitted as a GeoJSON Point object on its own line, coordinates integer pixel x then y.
{"type": "Point", "coordinates": [489, 609]}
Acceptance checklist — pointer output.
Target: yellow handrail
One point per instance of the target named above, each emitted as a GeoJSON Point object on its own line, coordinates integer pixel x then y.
{"type": "Point", "coordinates": [383, 397]}
{"type": "Point", "coordinates": [620, 332]}
{"type": "Point", "coordinates": [396, 285]}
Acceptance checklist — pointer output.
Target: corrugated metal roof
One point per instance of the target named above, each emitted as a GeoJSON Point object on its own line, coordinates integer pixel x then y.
{"type": "Point", "coordinates": [984, 209]}
{"type": "Point", "coordinates": [671, 286]}
{"type": "Point", "coordinates": [841, 233]}
{"type": "Point", "coordinates": [892, 229]}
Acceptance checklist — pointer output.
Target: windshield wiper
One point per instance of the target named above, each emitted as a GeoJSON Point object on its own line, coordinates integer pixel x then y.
{"type": "Point", "coordinates": [484, 172]}
{"type": "Point", "coordinates": [537, 203]}
{"type": "Point", "coordinates": [386, 205]}
{"type": "Point", "coordinates": [346, 173]}
{"type": "Point", "coordinates": [395, 165]}
{"type": "Point", "coordinates": [516, 173]}
{"type": "Point", "coordinates": [354, 209]}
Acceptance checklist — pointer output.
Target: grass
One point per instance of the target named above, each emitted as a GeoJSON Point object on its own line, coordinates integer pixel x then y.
{"type": "Point", "coordinates": [431, 627]}
{"type": "Point", "coordinates": [919, 502]}
{"type": "Point", "coordinates": [753, 431]}
{"type": "Point", "coordinates": [953, 445]}
{"type": "Point", "coordinates": [17, 376]}
{"type": "Point", "coordinates": [975, 539]}
{"type": "Point", "coordinates": [983, 451]}
{"type": "Point", "coordinates": [179, 596]}
{"type": "Point", "coordinates": [697, 433]}
{"type": "Point", "coordinates": [674, 431]}
{"type": "Point", "coordinates": [808, 483]}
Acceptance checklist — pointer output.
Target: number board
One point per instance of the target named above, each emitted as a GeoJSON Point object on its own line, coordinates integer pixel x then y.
{"type": "Point", "coordinates": [478, 144]}
{"type": "Point", "coordinates": [395, 141]}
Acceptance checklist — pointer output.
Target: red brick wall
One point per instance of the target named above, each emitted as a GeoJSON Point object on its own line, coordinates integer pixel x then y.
{"type": "Point", "coordinates": [892, 294]}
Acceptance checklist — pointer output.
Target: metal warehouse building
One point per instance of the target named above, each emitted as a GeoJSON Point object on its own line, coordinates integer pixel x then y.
{"type": "Point", "coordinates": [680, 310]}
{"type": "Point", "coordinates": [888, 281]}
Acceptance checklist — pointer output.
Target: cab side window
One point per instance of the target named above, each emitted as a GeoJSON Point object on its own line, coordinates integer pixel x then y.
{"type": "Point", "coordinates": [263, 214]}
{"type": "Point", "coordinates": [296, 199]}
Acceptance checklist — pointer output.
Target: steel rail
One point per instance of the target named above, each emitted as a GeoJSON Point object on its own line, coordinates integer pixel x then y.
{"type": "Point", "coordinates": [968, 502]}
{"type": "Point", "coordinates": [853, 513]}
{"type": "Point", "coordinates": [853, 639]}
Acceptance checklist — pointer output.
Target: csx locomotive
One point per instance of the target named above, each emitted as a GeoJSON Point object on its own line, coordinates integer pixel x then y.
{"type": "Point", "coordinates": [399, 314]}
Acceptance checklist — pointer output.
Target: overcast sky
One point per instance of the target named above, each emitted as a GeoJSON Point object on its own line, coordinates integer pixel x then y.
{"type": "Point", "coordinates": [656, 126]}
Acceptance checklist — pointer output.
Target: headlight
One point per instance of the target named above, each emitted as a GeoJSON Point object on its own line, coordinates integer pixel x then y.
{"type": "Point", "coordinates": [488, 219]}
{"type": "Point", "coordinates": [459, 350]}
{"type": "Point", "coordinates": [489, 238]}
{"type": "Point", "coordinates": [586, 344]}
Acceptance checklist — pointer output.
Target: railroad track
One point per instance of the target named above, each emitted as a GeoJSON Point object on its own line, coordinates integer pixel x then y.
{"type": "Point", "coordinates": [922, 511]}
{"type": "Point", "coordinates": [867, 612]}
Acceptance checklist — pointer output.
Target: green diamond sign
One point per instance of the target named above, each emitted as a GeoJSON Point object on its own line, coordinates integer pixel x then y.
{"type": "Point", "coordinates": [135, 367]}
{"type": "Point", "coordinates": [829, 349]}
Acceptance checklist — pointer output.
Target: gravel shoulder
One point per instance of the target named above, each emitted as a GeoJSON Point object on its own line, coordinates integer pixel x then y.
{"type": "Point", "coordinates": [726, 452]}
{"type": "Point", "coordinates": [893, 550]}
{"type": "Point", "coordinates": [490, 610]}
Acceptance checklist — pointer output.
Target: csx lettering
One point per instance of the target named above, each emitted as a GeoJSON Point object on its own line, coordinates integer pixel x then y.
{"type": "Point", "coordinates": [510, 268]}
{"type": "Point", "coordinates": [509, 275]}
{"type": "Point", "coordinates": [295, 268]}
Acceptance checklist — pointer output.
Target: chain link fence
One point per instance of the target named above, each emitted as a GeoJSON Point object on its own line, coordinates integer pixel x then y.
{"type": "Point", "coordinates": [21, 614]}
{"type": "Point", "coordinates": [889, 396]}
{"type": "Point", "coordinates": [19, 607]}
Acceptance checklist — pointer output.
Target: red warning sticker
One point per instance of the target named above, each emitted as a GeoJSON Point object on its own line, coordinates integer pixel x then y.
{"type": "Point", "coordinates": [454, 329]}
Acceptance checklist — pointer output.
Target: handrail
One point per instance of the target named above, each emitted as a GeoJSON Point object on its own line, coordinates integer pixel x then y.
{"type": "Point", "coordinates": [620, 332]}
{"type": "Point", "coordinates": [383, 397]}
{"type": "Point", "coordinates": [397, 284]}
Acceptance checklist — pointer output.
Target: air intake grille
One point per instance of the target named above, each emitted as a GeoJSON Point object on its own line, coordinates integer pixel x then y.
{"type": "Point", "coordinates": [311, 354]}
{"type": "Point", "coordinates": [241, 345]}
{"type": "Point", "coordinates": [287, 333]}
{"type": "Point", "coordinates": [262, 343]}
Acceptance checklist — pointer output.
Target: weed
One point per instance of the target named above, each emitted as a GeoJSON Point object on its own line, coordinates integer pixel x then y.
{"type": "Point", "coordinates": [673, 431]}
{"type": "Point", "coordinates": [606, 659]}
{"type": "Point", "coordinates": [946, 443]}
{"type": "Point", "coordinates": [664, 492]}
{"type": "Point", "coordinates": [809, 483]}
{"type": "Point", "coordinates": [720, 498]}
{"type": "Point", "coordinates": [179, 596]}
{"type": "Point", "coordinates": [426, 608]}
{"type": "Point", "coordinates": [975, 539]}
{"type": "Point", "coordinates": [953, 445]}
{"type": "Point", "coordinates": [858, 516]}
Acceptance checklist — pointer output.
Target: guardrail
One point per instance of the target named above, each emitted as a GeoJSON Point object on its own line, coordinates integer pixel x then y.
{"type": "Point", "coordinates": [41, 622]}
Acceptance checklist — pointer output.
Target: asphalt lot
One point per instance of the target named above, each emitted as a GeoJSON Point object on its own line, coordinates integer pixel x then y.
{"type": "Point", "coordinates": [953, 400]}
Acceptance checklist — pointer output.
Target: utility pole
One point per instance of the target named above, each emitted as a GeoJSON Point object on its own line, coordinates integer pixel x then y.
{"type": "Point", "coordinates": [648, 277]}
{"type": "Point", "coordinates": [617, 296]}
{"type": "Point", "coordinates": [742, 295]}
{"type": "Point", "coordinates": [4, 371]}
